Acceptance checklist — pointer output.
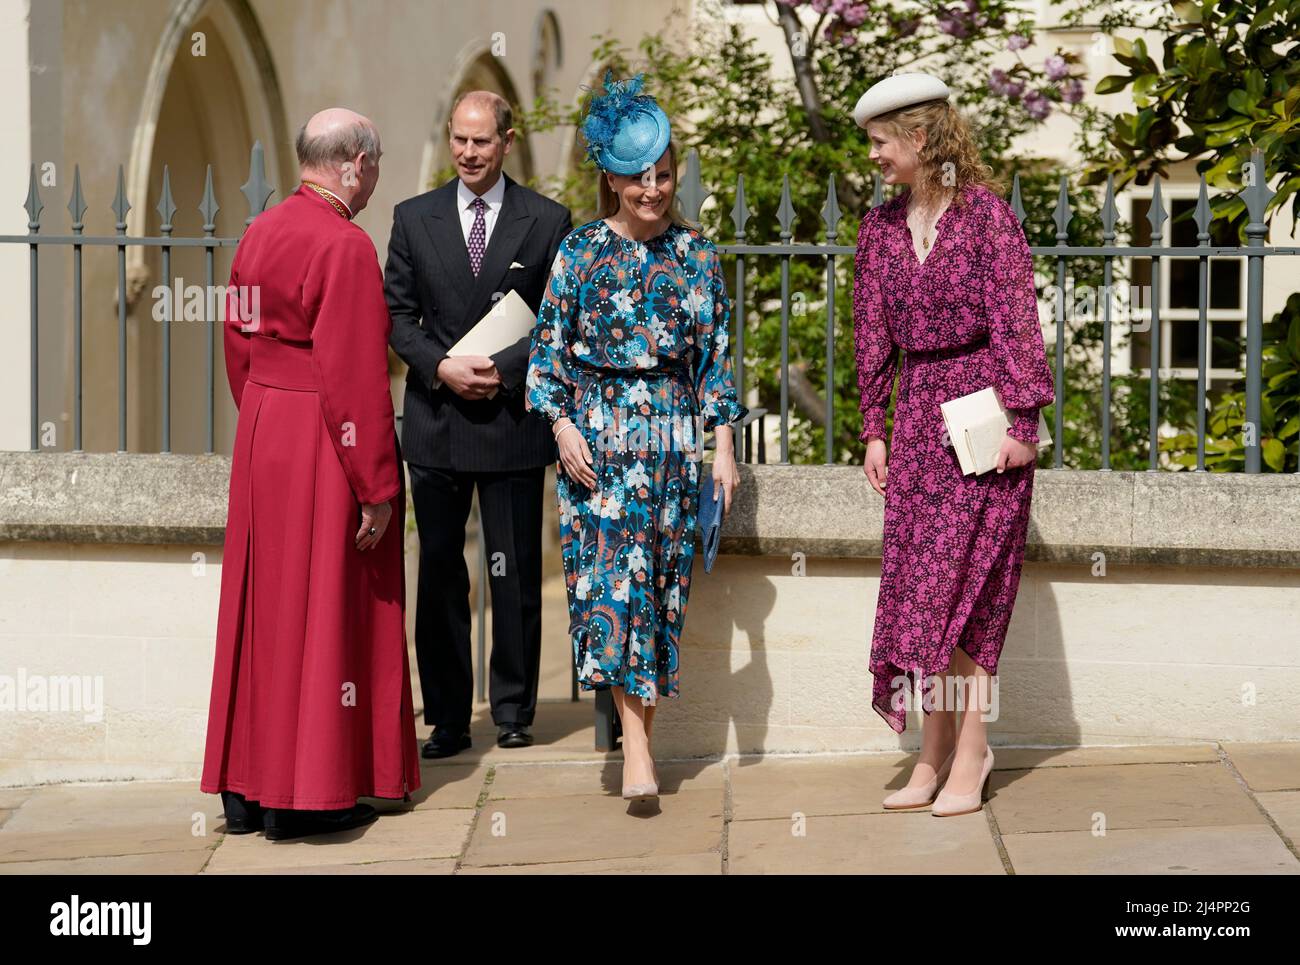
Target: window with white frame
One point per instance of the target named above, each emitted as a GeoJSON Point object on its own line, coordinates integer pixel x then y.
{"type": "Point", "coordinates": [1180, 293]}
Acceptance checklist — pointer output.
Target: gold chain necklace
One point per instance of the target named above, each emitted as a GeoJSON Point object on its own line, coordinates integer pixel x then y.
{"type": "Point", "coordinates": [334, 202]}
{"type": "Point", "coordinates": [927, 228]}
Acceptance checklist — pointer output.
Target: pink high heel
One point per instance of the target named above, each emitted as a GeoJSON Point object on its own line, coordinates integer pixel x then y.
{"type": "Point", "coordinates": [948, 804]}
{"type": "Point", "coordinates": [919, 797]}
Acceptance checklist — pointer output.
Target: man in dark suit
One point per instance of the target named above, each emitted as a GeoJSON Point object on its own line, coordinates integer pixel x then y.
{"type": "Point", "coordinates": [452, 252]}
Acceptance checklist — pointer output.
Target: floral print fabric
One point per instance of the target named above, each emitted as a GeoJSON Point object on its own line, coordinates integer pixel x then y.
{"type": "Point", "coordinates": [631, 343]}
{"type": "Point", "coordinates": [963, 319]}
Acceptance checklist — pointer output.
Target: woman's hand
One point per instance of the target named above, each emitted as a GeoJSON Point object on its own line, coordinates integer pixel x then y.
{"type": "Point", "coordinates": [725, 473]}
{"type": "Point", "coordinates": [575, 455]}
{"type": "Point", "coordinates": [1015, 454]}
{"type": "Point", "coordinates": [374, 515]}
{"type": "Point", "coordinates": [874, 465]}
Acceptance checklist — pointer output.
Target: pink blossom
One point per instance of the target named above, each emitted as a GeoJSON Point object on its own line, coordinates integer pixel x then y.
{"type": "Point", "coordinates": [951, 25]}
{"type": "Point", "coordinates": [1037, 105]}
{"type": "Point", "coordinates": [907, 27]}
{"type": "Point", "coordinates": [1002, 85]}
{"type": "Point", "coordinates": [854, 14]}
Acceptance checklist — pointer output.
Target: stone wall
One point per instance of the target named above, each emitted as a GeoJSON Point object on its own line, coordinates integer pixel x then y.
{"type": "Point", "coordinates": [1153, 607]}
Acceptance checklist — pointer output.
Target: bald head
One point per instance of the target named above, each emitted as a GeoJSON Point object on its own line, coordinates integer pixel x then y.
{"type": "Point", "coordinates": [339, 150]}
{"type": "Point", "coordinates": [335, 136]}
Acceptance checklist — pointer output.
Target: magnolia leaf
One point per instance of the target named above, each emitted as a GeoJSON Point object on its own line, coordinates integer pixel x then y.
{"type": "Point", "coordinates": [1274, 454]}
{"type": "Point", "coordinates": [1112, 83]}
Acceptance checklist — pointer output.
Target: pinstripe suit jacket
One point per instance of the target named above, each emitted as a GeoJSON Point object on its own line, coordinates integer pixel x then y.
{"type": "Point", "coordinates": [434, 298]}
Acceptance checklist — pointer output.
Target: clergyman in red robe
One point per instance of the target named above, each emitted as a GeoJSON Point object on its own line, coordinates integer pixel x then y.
{"type": "Point", "coordinates": [311, 698]}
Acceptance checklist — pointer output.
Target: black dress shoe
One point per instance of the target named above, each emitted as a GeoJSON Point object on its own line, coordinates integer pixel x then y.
{"type": "Point", "coordinates": [445, 743]}
{"type": "Point", "coordinates": [282, 823]}
{"type": "Point", "coordinates": [514, 735]}
{"type": "Point", "coordinates": [242, 816]}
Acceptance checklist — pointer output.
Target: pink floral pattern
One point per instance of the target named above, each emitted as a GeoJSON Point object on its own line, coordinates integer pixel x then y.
{"type": "Point", "coordinates": [964, 319]}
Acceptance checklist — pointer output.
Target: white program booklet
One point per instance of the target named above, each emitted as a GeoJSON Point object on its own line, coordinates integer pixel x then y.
{"type": "Point", "coordinates": [977, 424]}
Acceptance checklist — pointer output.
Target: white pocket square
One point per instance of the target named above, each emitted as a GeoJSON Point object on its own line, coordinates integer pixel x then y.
{"type": "Point", "coordinates": [514, 264]}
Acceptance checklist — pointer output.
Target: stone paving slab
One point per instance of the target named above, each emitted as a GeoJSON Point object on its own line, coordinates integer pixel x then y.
{"type": "Point", "coordinates": [1190, 809]}
{"type": "Point", "coordinates": [1121, 796]}
{"type": "Point", "coordinates": [707, 863]}
{"type": "Point", "coordinates": [1267, 767]}
{"type": "Point", "coordinates": [79, 807]}
{"type": "Point", "coordinates": [780, 787]}
{"type": "Point", "coordinates": [889, 843]}
{"type": "Point", "coordinates": [1228, 850]}
{"type": "Point", "coordinates": [1020, 758]}
{"type": "Point", "coordinates": [445, 786]}
{"type": "Point", "coordinates": [119, 839]}
{"type": "Point", "coordinates": [155, 863]}
{"type": "Point", "coordinates": [14, 797]}
{"type": "Point", "coordinates": [594, 827]}
{"type": "Point", "coordinates": [410, 866]}
{"type": "Point", "coordinates": [562, 732]}
{"type": "Point", "coordinates": [1284, 808]}
{"type": "Point", "coordinates": [70, 821]}
{"type": "Point", "coordinates": [562, 780]}
{"type": "Point", "coordinates": [394, 837]}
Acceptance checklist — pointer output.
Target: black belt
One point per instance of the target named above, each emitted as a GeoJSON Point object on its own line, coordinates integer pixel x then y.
{"type": "Point", "coordinates": [675, 370]}
{"type": "Point", "coordinates": [938, 353]}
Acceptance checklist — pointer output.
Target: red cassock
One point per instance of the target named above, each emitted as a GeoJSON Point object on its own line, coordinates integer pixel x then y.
{"type": "Point", "coordinates": [311, 695]}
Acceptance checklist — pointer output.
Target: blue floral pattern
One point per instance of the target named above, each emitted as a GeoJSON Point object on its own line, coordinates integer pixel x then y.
{"type": "Point", "coordinates": [632, 344]}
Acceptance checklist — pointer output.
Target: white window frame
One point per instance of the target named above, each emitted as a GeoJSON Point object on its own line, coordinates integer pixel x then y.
{"type": "Point", "coordinates": [1169, 316]}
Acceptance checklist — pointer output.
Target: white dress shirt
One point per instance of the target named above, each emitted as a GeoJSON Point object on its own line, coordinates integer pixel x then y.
{"type": "Point", "coordinates": [493, 196]}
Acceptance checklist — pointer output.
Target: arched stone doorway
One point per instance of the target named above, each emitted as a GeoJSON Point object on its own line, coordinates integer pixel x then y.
{"type": "Point", "coordinates": [212, 92]}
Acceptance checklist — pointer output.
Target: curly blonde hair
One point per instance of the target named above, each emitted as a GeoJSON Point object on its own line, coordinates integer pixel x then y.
{"type": "Point", "coordinates": [949, 159]}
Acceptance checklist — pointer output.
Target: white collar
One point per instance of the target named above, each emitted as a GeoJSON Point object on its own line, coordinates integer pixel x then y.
{"type": "Point", "coordinates": [493, 195]}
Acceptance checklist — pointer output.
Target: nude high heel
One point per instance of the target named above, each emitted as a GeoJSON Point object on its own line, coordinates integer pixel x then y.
{"type": "Point", "coordinates": [643, 793]}
{"type": "Point", "coordinates": [948, 803]}
{"type": "Point", "coordinates": [919, 797]}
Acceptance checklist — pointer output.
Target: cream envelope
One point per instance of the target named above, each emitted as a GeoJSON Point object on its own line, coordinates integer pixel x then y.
{"type": "Point", "coordinates": [506, 322]}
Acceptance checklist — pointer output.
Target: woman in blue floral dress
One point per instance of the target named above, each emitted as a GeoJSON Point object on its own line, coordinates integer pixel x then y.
{"type": "Point", "coordinates": [630, 364]}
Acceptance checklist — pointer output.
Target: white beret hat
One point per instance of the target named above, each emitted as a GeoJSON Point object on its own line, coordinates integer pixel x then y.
{"type": "Point", "coordinates": [898, 90]}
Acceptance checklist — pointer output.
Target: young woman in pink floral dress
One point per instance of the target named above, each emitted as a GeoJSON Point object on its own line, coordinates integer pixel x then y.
{"type": "Point", "coordinates": [943, 279]}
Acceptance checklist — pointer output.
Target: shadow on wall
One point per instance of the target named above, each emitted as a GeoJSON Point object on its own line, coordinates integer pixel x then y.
{"type": "Point", "coordinates": [720, 684]}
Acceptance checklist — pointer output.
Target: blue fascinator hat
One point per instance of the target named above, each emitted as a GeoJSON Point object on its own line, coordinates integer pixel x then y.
{"type": "Point", "coordinates": [626, 131]}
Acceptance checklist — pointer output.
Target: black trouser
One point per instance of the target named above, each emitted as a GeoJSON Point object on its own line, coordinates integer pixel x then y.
{"type": "Point", "coordinates": [511, 504]}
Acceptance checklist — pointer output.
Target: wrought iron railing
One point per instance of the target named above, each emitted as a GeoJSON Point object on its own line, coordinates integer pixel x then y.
{"type": "Point", "coordinates": [1256, 196]}
{"type": "Point", "coordinates": [258, 191]}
